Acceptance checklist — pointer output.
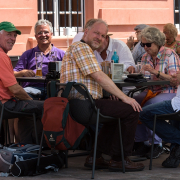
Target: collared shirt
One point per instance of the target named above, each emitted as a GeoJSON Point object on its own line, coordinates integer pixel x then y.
{"type": "Point", "coordinates": [7, 77]}
{"type": "Point", "coordinates": [124, 53]}
{"type": "Point", "coordinates": [138, 52]}
{"type": "Point", "coordinates": [175, 46]}
{"type": "Point", "coordinates": [167, 62]}
{"type": "Point", "coordinates": [175, 102]}
{"type": "Point", "coordinates": [78, 63]}
{"type": "Point", "coordinates": [27, 61]}
{"type": "Point", "coordinates": [78, 37]}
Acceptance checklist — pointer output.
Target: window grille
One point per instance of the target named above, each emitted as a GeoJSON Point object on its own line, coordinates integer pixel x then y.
{"type": "Point", "coordinates": [62, 14]}
{"type": "Point", "coordinates": [177, 14]}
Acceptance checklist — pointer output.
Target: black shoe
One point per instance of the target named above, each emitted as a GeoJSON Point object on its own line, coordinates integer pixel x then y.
{"type": "Point", "coordinates": [157, 151]}
{"type": "Point", "coordinates": [141, 151]}
{"type": "Point", "coordinates": [173, 160]}
{"type": "Point", "coordinates": [137, 145]}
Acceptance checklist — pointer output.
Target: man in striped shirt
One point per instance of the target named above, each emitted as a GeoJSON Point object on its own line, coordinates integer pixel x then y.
{"type": "Point", "coordinates": [80, 65]}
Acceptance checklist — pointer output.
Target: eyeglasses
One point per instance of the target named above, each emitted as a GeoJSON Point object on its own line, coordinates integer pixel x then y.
{"type": "Point", "coordinates": [43, 32]}
{"type": "Point", "coordinates": [146, 44]}
{"type": "Point", "coordinates": [137, 32]}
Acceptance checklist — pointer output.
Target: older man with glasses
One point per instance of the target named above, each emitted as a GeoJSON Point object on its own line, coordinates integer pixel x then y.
{"type": "Point", "coordinates": [137, 50]}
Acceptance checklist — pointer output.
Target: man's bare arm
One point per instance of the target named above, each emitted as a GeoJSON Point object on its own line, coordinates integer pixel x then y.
{"type": "Point", "coordinates": [107, 84]}
{"type": "Point", "coordinates": [24, 72]}
{"type": "Point", "coordinates": [19, 92]}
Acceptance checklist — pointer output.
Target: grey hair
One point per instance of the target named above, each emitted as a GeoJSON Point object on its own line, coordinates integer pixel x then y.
{"type": "Point", "coordinates": [153, 35]}
{"type": "Point", "coordinates": [43, 22]}
{"type": "Point", "coordinates": [91, 22]}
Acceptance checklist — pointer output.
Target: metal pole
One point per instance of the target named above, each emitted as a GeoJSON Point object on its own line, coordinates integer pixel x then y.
{"type": "Point", "coordinates": [71, 13]}
{"type": "Point", "coordinates": [179, 12]}
{"type": "Point", "coordinates": [53, 17]}
{"type": "Point", "coordinates": [59, 17]}
{"type": "Point", "coordinates": [77, 14]}
{"type": "Point", "coordinates": [83, 14]}
{"type": "Point", "coordinates": [46, 8]}
{"type": "Point", "coordinates": [39, 8]}
{"type": "Point", "coordinates": [65, 13]}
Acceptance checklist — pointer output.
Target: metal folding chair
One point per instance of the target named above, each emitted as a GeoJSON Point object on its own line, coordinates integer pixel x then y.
{"type": "Point", "coordinates": [7, 114]}
{"type": "Point", "coordinates": [173, 116]}
{"type": "Point", "coordinates": [96, 118]}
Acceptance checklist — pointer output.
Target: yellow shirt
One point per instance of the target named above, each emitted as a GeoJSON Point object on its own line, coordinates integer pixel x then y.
{"type": "Point", "coordinates": [78, 63]}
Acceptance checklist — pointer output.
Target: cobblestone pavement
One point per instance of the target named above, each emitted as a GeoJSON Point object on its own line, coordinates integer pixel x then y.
{"type": "Point", "coordinates": [76, 170]}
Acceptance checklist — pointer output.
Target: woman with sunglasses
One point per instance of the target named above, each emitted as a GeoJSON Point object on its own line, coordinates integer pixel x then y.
{"type": "Point", "coordinates": [160, 62]}
{"type": "Point", "coordinates": [171, 33]}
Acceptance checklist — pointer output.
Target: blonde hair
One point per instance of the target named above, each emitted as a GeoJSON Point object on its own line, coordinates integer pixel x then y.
{"type": "Point", "coordinates": [171, 29]}
{"type": "Point", "coordinates": [91, 22]}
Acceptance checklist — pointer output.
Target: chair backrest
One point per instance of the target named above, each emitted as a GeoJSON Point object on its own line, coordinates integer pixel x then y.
{"type": "Point", "coordinates": [84, 111]}
{"type": "Point", "coordinates": [173, 116]}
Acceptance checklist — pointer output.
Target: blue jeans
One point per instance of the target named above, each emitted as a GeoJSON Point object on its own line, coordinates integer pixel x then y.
{"type": "Point", "coordinates": [142, 132]}
{"type": "Point", "coordinates": [41, 96]}
{"type": "Point", "coordinates": [168, 132]}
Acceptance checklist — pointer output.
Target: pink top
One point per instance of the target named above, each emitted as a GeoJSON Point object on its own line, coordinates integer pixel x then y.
{"type": "Point", "coordinates": [167, 62]}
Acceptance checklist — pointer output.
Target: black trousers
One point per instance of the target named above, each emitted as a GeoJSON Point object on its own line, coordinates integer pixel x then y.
{"type": "Point", "coordinates": [26, 124]}
{"type": "Point", "coordinates": [108, 138]}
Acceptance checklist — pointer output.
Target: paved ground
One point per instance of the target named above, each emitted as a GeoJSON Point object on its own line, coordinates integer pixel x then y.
{"type": "Point", "coordinates": [77, 171]}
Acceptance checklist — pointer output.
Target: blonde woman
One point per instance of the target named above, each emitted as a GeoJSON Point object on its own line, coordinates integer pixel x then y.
{"type": "Point", "coordinates": [171, 33]}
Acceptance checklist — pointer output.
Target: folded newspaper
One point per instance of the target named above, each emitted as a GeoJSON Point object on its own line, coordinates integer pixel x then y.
{"type": "Point", "coordinates": [33, 91]}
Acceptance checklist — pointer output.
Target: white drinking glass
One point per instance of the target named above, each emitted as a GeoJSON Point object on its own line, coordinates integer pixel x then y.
{"type": "Point", "coordinates": [39, 60]}
{"type": "Point", "coordinates": [52, 55]}
{"type": "Point", "coordinates": [138, 67]}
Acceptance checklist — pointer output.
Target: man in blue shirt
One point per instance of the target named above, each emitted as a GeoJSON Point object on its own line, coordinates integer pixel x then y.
{"type": "Point", "coordinates": [137, 51]}
{"type": "Point", "coordinates": [26, 65]}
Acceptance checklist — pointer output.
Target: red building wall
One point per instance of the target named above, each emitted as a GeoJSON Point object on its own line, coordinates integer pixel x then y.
{"type": "Point", "coordinates": [121, 15]}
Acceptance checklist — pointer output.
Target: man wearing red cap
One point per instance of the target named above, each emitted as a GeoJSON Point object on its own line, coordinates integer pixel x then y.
{"type": "Point", "coordinates": [12, 95]}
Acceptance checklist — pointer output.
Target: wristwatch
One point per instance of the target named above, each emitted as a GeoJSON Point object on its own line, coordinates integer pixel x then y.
{"type": "Point", "coordinates": [158, 74]}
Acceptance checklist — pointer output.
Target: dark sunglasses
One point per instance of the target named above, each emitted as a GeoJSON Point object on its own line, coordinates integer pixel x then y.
{"type": "Point", "coordinates": [146, 44]}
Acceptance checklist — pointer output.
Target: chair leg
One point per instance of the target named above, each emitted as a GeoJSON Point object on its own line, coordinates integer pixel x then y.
{"type": "Point", "coordinates": [95, 144]}
{"type": "Point", "coordinates": [1, 120]}
{"type": "Point", "coordinates": [66, 159]}
{"type": "Point", "coordinates": [35, 128]}
{"type": "Point", "coordinates": [152, 146]}
{"type": "Point", "coordinates": [7, 130]}
{"type": "Point", "coordinates": [121, 144]}
{"type": "Point", "coordinates": [5, 123]}
{"type": "Point", "coordinates": [40, 150]}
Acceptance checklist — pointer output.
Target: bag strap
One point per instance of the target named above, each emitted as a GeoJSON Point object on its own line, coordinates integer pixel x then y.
{"type": "Point", "coordinates": [67, 89]}
{"type": "Point", "coordinates": [81, 91]}
{"type": "Point", "coordinates": [53, 91]}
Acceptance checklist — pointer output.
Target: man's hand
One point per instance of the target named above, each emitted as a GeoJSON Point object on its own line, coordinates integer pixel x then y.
{"type": "Point", "coordinates": [130, 42]}
{"type": "Point", "coordinates": [19, 92]}
{"type": "Point", "coordinates": [136, 106]}
{"type": "Point", "coordinates": [112, 97]}
{"type": "Point", "coordinates": [28, 73]}
{"type": "Point", "coordinates": [24, 72]}
{"type": "Point", "coordinates": [131, 69]}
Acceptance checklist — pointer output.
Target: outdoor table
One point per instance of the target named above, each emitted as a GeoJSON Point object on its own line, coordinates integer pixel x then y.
{"type": "Point", "coordinates": [121, 84]}
{"type": "Point", "coordinates": [31, 79]}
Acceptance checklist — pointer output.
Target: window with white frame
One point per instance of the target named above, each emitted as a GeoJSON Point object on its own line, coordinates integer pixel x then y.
{"type": "Point", "coordinates": [62, 14]}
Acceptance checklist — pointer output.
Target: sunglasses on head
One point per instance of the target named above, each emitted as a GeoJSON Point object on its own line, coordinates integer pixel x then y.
{"type": "Point", "coordinates": [146, 44]}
